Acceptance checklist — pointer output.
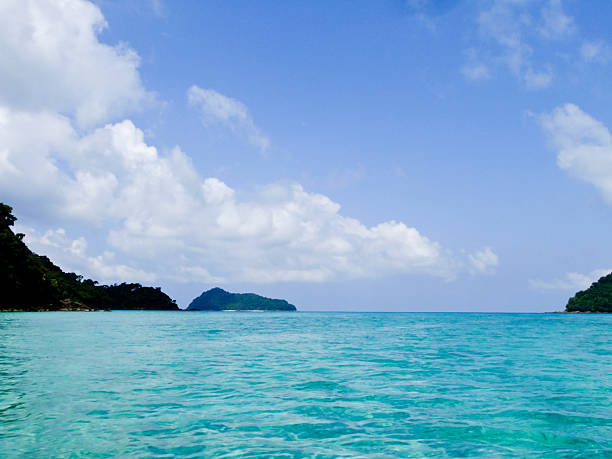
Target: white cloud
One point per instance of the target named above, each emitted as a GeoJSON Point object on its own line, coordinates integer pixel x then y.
{"type": "Point", "coordinates": [475, 69]}
{"type": "Point", "coordinates": [510, 30]}
{"type": "Point", "coordinates": [571, 281]}
{"type": "Point", "coordinates": [215, 108]}
{"type": "Point", "coordinates": [556, 22]}
{"type": "Point", "coordinates": [71, 255]}
{"type": "Point", "coordinates": [215, 191]}
{"type": "Point", "coordinates": [52, 60]}
{"type": "Point", "coordinates": [484, 261]}
{"type": "Point", "coordinates": [595, 51]}
{"type": "Point", "coordinates": [154, 215]}
{"type": "Point", "coordinates": [537, 80]}
{"type": "Point", "coordinates": [583, 144]}
{"type": "Point", "coordinates": [156, 210]}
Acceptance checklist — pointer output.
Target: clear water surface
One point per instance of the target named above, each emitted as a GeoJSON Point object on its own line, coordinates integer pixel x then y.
{"type": "Point", "coordinates": [196, 384]}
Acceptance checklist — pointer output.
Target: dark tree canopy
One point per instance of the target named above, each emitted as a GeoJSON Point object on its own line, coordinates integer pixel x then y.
{"type": "Point", "coordinates": [217, 299]}
{"type": "Point", "coordinates": [24, 280]}
{"type": "Point", "coordinates": [6, 215]}
{"type": "Point", "coordinates": [597, 298]}
{"type": "Point", "coordinates": [32, 282]}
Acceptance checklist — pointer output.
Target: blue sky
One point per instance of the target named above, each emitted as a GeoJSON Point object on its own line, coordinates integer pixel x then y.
{"type": "Point", "coordinates": [393, 155]}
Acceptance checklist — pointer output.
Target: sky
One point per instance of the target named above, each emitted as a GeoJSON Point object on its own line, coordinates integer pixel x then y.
{"type": "Point", "coordinates": [413, 155]}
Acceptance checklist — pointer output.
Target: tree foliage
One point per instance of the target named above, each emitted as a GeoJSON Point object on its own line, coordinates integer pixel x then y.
{"type": "Point", "coordinates": [217, 299]}
{"type": "Point", "coordinates": [31, 282]}
{"type": "Point", "coordinates": [597, 298]}
{"type": "Point", "coordinates": [24, 280]}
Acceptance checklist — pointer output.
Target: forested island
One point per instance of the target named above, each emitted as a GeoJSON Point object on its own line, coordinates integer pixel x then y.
{"type": "Point", "coordinates": [217, 299]}
{"type": "Point", "coordinates": [31, 282]}
{"type": "Point", "coordinates": [597, 298]}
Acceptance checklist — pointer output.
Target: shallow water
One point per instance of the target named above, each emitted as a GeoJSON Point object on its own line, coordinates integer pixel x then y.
{"type": "Point", "coordinates": [196, 384]}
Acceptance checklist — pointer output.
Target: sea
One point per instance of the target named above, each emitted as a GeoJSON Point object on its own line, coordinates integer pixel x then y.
{"type": "Point", "coordinates": [306, 384]}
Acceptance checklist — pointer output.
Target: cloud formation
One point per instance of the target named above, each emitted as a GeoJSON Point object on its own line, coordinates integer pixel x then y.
{"type": "Point", "coordinates": [55, 244]}
{"type": "Point", "coordinates": [570, 282]}
{"type": "Point", "coordinates": [151, 214]}
{"type": "Point", "coordinates": [475, 68]}
{"type": "Point", "coordinates": [156, 207]}
{"type": "Point", "coordinates": [509, 30]}
{"type": "Point", "coordinates": [555, 22]}
{"type": "Point", "coordinates": [476, 71]}
{"type": "Point", "coordinates": [484, 260]}
{"type": "Point", "coordinates": [215, 108]}
{"type": "Point", "coordinates": [583, 144]}
{"type": "Point", "coordinates": [52, 60]}
{"type": "Point", "coordinates": [595, 51]}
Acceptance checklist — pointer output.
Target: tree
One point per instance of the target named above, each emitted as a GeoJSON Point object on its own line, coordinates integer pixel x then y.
{"type": "Point", "coordinates": [29, 281]}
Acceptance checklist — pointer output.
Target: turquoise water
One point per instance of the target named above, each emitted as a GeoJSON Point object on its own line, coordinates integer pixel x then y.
{"type": "Point", "coordinates": [194, 384]}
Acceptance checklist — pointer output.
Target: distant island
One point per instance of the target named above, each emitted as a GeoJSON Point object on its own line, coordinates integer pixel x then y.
{"type": "Point", "coordinates": [597, 298]}
{"type": "Point", "coordinates": [217, 299]}
{"type": "Point", "coordinates": [30, 282]}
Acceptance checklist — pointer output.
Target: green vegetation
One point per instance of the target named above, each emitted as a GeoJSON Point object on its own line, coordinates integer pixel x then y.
{"type": "Point", "coordinates": [597, 298]}
{"type": "Point", "coordinates": [217, 299]}
{"type": "Point", "coordinates": [31, 282]}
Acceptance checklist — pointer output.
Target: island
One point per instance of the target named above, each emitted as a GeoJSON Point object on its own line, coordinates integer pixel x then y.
{"type": "Point", "coordinates": [217, 299]}
{"type": "Point", "coordinates": [597, 298]}
{"type": "Point", "coordinates": [31, 282]}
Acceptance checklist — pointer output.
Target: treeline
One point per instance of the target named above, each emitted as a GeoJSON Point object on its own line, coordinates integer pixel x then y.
{"type": "Point", "coordinates": [32, 282]}
{"type": "Point", "coordinates": [597, 298]}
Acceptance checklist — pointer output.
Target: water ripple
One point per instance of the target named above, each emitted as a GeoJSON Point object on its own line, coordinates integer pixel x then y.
{"type": "Point", "coordinates": [163, 384]}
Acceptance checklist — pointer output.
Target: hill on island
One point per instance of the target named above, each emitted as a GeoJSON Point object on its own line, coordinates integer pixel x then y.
{"type": "Point", "coordinates": [31, 282]}
{"type": "Point", "coordinates": [217, 299]}
{"type": "Point", "coordinates": [597, 298]}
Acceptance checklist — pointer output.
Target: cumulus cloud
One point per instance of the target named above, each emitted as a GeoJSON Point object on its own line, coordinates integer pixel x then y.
{"type": "Point", "coordinates": [155, 206]}
{"type": "Point", "coordinates": [71, 254]}
{"type": "Point", "coordinates": [52, 60]}
{"type": "Point", "coordinates": [153, 214]}
{"type": "Point", "coordinates": [583, 144]}
{"type": "Point", "coordinates": [215, 108]}
{"type": "Point", "coordinates": [570, 282]}
{"type": "Point", "coordinates": [483, 261]}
